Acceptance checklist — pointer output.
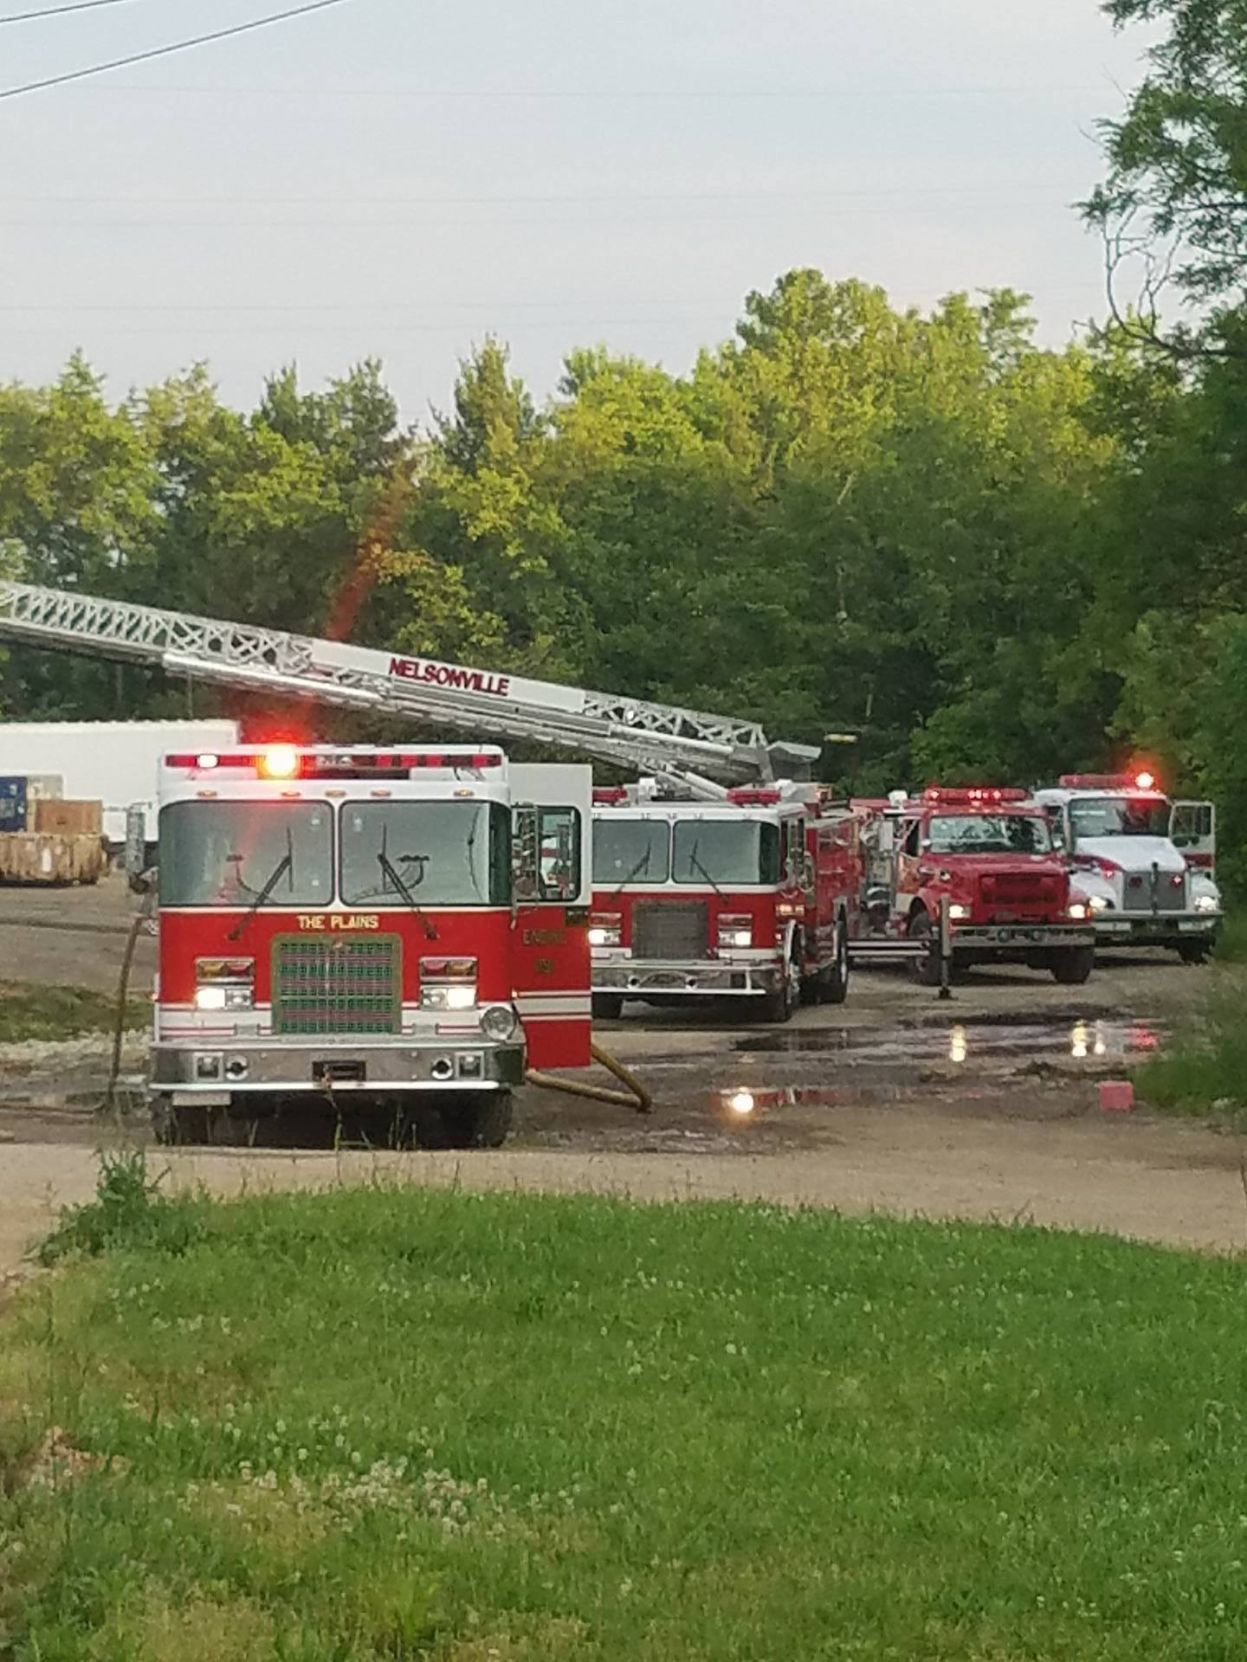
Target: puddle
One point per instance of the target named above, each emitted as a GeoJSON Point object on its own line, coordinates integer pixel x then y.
{"type": "Point", "coordinates": [984, 1039]}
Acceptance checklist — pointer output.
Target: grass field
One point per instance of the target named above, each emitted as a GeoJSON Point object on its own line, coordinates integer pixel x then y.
{"type": "Point", "coordinates": [34, 1011]}
{"type": "Point", "coordinates": [408, 1424]}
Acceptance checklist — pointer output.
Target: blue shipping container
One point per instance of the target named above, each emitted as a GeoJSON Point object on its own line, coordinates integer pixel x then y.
{"type": "Point", "coordinates": [13, 804]}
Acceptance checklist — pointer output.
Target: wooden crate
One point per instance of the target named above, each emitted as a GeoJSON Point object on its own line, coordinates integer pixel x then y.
{"type": "Point", "coordinates": [61, 818]}
{"type": "Point", "coordinates": [27, 857]}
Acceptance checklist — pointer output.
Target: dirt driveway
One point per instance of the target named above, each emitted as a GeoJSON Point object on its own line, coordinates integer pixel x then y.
{"type": "Point", "coordinates": [983, 1107]}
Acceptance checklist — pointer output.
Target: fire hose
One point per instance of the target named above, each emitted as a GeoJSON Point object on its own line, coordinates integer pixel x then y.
{"type": "Point", "coordinates": [634, 1096]}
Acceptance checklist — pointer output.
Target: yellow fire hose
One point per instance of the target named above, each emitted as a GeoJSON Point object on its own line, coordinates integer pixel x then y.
{"type": "Point", "coordinates": [635, 1096]}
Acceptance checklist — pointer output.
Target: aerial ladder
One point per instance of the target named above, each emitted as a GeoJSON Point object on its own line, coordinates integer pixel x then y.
{"type": "Point", "coordinates": [691, 752]}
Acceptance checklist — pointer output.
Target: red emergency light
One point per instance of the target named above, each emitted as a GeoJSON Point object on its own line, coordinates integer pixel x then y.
{"type": "Point", "coordinates": [609, 796]}
{"type": "Point", "coordinates": [1144, 780]}
{"type": "Point", "coordinates": [754, 796]}
{"type": "Point", "coordinates": [286, 761]}
{"type": "Point", "coordinates": [974, 796]}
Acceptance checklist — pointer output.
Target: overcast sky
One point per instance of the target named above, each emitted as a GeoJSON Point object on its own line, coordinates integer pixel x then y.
{"type": "Point", "coordinates": [399, 177]}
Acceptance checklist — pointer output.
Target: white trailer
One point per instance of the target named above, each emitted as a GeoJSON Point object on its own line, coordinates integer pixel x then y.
{"type": "Point", "coordinates": [113, 762]}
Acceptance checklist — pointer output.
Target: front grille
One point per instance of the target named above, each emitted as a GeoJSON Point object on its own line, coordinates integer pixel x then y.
{"type": "Point", "coordinates": [1143, 891]}
{"type": "Point", "coordinates": [347, 985]}
{"type": "Point", "coordinates": [1032, 892]}
{"type": "Point", "coordinates": [672, 929]}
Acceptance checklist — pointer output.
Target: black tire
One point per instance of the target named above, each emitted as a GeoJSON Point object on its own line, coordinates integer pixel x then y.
{"type": "Point", "coordinates": [833, 981]}
{"type": "Point", "coordinates": [778, 1006]}
{"type": "Point", "coordinates": [177, 1127]}
{"type": "Point", "coordinates": [1072, 965]}
{"type": "Point", "coordinates": [480, 1122]}
{"type": "Point", "coordinates": [925, 970]}
{"type": "Point", "coordinates": [1194, 952]}
{"type": "Point", "coordinates": [607, 1006]}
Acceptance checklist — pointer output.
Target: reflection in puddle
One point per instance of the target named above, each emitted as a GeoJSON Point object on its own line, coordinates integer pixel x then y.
{"type": "Point", "coordinates": [972, 1039]}
{"type": "Point", "coordinates": [742, 1103]}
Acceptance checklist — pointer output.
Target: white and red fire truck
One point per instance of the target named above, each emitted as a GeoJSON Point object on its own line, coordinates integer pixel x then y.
{"type": "Point", "coordinates": [987, 855]}
{"type": "Point", "coordinates": [1119, 832]}
{"type": "Point", "coordinates": [753, 898]}
{"type": "Point", "coordinates": [405, 928]}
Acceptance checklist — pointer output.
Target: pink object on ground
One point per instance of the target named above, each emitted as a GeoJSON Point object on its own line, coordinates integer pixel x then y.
{"type": "Point", "coordinates": [1116, 1096]}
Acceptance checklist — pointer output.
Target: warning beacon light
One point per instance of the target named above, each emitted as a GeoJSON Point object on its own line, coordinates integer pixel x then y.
{"type": "Point", "coordinates": [1145, 780]}
{"type": "Point", "coordinates": [279, 761]}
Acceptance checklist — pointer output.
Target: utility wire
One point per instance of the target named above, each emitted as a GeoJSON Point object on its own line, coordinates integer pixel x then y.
{"type": "Point", "coordinates": [164, 51]}
{"type": "Point", "coordinates": [59, 11]}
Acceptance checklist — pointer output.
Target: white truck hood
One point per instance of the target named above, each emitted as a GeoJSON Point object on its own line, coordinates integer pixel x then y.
{"type": "Point", "coordinates": [1133, 853]}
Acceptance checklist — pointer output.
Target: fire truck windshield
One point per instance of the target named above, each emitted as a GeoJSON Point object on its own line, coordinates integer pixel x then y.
{"type": "Point", "coordinates": [1118, 816]}
{"type": "Point", "coordinates": [445, 853]}
{"type": "Point", "coordinates": [630, 851]}
{"type": "Point", "coordinates": [725, 851]}
{"type": "Point", "coordinates": [225, 853]}
{"type": "Point", "coordinates": [989, 834]}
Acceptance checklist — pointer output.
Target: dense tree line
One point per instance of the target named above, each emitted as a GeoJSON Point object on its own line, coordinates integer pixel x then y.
{"type": "Point", "coordinates": [987, 559]}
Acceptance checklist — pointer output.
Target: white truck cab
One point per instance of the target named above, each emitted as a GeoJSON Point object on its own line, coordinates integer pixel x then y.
{"type": "Point", "coordinates": [1143, 864]}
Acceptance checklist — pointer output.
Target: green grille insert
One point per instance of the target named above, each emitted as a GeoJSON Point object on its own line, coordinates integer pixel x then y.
{"type": "Point", "coordinates": [337, 984]}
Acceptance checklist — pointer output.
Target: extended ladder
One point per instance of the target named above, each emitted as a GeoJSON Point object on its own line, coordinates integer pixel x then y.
{"type": "Point", "coordinates": [702, 753]}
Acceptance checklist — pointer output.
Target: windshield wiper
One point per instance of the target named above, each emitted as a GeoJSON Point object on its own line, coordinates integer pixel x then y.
{"type": "Point", "coordinates": [696, 865]}
{"type": "Point", "coordinates": [642, 862]}
{"type": "Point", "coordinates": [284, 865]}
{"type": "Point", "coordinates": [390, 872]}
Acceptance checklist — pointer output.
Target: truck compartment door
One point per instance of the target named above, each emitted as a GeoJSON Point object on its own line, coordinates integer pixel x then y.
{"type": "Point", "coordinates": [553, 873]}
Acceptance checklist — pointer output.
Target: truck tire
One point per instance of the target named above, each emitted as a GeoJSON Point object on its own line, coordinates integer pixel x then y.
{"type": "Point", "coordinates": [833, 981]}
{"type": "Point", "coordinates": [924, 970]}
{"type": "Point", "coordinates": [1194, 952]}
{"type": "Point", "coordinates": [480, 1122]}
{"type": "Point", "coordinates": [778, 1006]}
{"type": "Point", "coordinates": [1071, 966]}
{"type": "Point", "coordinates": [607, 1006]}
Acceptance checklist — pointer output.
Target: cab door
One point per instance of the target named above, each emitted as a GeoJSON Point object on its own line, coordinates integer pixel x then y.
{"type": "Point", "coordinates": [552, 871]}
{"type": "Point", "coordinates": [1193, 832]}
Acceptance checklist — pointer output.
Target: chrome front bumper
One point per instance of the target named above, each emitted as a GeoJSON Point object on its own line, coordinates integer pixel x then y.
{"type": "Point", "coordinates": [213, 1073]}
{"type": "Point", "coordinates": [1156, 928]}
{"type": "Point", "coordinates": [711, 978]}
{"type": "Point", "coordinates": [1022, 937]}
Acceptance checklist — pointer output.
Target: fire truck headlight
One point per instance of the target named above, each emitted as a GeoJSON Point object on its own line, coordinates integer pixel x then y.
{"type": "Point", "coordinates": [1078, 909]}
{"type": "Point", "coordinates": [1100, 903]}
{"type": "Point", "coordinates": [959, 912]}
{"type": "Point", "coordinates": [605, 929]}
{"type": "Point", "coordinates": [448, 998]}
{"type": "Point", "coordinates": [735, 929]}
{"type": "Point", "coordinates": [1207, 903]}
{"type": "Point", "coordinates": [209, 998]}
{"type": "Point", "coordinates": [499, 1023]}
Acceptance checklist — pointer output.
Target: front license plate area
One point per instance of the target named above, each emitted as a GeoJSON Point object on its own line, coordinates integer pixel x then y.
{"type": "Point", "coordinates": [330, 1071]}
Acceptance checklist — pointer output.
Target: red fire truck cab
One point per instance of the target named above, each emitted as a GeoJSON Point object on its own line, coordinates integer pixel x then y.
{"type": "Point", "coordinates": [752, 898]}
{"type": "Point", "coordinates": [988, 853]}
{"type": "Point", "coordinates": [404, 929]}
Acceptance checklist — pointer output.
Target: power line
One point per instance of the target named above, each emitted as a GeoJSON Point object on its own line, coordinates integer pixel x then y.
{"type": "Point", "coordinates": [59, 11]}
{"type": "Point", "coordinates": [164, 51]}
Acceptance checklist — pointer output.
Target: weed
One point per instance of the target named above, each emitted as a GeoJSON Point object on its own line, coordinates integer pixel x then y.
{"type": "Point", "coordinates": [1206, 1071]}
{"type": "Point", "coordinates": [128, 1210]}
{"type": "Point", "coordinates": [33, 1011]}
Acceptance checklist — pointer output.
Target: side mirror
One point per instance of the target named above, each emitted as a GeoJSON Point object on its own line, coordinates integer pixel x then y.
{"type": "Point", "coordinates": [140, 874]}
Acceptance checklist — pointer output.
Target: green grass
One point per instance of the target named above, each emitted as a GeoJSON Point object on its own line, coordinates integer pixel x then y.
{"type": "Point", "coordinates": [1204, 1069]}
{"type": "Point", "coordinates": [392, 1424]}
{"type": "Point", "coordinates": [30, 1010]}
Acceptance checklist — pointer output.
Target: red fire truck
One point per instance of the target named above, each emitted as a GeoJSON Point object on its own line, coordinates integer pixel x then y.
{"type": "Point", "coordinates": [754, 898]}
{"type": "Point", "coordinates": [988, 854]}
{"type": "Point", "coordinates": [402, 928]}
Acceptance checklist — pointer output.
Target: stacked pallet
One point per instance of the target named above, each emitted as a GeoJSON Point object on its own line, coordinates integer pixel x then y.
{"type": "Point", "coordinates": [46, 839]}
